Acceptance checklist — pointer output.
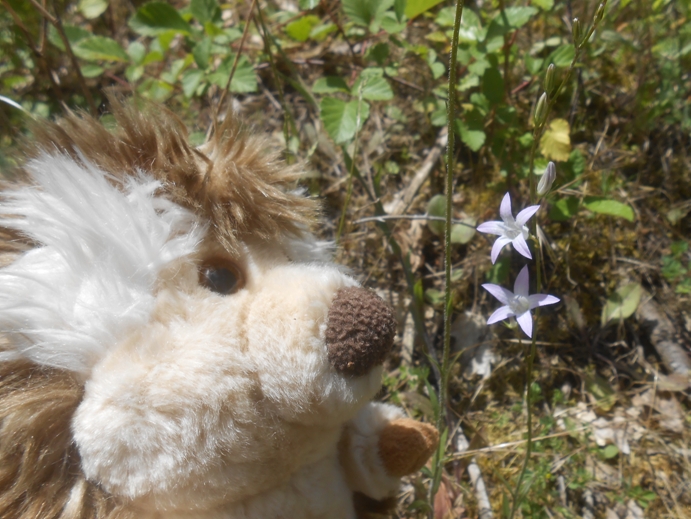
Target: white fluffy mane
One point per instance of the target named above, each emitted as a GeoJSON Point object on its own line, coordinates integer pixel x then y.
{"type": "Point", "coordinates": [102, 243]}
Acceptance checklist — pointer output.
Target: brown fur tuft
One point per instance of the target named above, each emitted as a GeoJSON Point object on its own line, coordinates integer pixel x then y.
{"type": "Point", "coordinates": [39, 464]}
{"type": "Point", "coordinates": [235, 181]}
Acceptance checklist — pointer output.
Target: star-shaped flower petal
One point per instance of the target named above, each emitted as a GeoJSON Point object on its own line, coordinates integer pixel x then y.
{"type": "Point", "coordinates": [510, 230]}
{"type": "Point", "coordinates": [518, 303]}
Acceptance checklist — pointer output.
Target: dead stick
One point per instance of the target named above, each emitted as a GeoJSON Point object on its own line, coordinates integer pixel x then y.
{"type": "Point", "coordinates": [235, 63]}
{"type": "Point", "coordinates": [57, 23]}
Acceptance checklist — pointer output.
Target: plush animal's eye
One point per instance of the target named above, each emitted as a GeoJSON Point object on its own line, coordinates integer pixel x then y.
{"type": "Point", "coordinates": [221, 276]}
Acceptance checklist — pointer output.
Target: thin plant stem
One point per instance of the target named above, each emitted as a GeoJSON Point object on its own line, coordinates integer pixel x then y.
{"type": "Point", "coordinates": [235, 65]}
{"type": "Point", "coordinates": [448, 303]}
{"type": "Point", "coordinates": [537, 133]}
{"type": "Point", "coordinates": [517, 494]}
{"type": "Point", "coordinates": [450, 156]}
{"type": "Point", "coordinates": [57, 23]}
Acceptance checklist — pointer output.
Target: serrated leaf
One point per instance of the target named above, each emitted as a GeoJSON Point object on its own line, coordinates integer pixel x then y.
{"type": "Point", "coordinates": [92, 8]}
{"type": "Point", "coordinates": [364, 12]}
{"type": "Point", "coordinates": [244, 79]}
{"type": "Point", "coordinates": [204, 10]}
{"type": "Point", "coordinates": [100, 48]}
{"type": "Point", "coordinates": [155, 18]}
{"type": "Point", "coordinates": [493, 85]}
{"type": "Point", "coordinates": [375, 88]}
{"type": "Point", "coordinates": [330, 85]}
{"type": "Point", "coordinates": [470, 134]}
{"type": "Point", "coordinates": [414, 8]}
{"type": "Point", "coordinates": [341, 119]}
{"type": "Point", "coordinates": [555, 143]}
{"type": "Point", "coordinates": [622, 303]}
{"type": "Point", "coordinates": [563, 209]}
{"type": "Point", "coordinates": [462, 234]}
{"type": "Point", "coordinates": [610, 207]}
{"type": "Point", "coordinates": [301, 28]}
{"type": "Point", "coordinates": [190, 81]}
{"type": "Point", "coordinates": [436, 207]}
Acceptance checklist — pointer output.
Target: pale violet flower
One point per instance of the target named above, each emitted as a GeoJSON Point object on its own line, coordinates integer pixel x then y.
{"type": "Point", "coordinates": [518, 303]}
{"type": "Point", "coordinates": [509, 230]}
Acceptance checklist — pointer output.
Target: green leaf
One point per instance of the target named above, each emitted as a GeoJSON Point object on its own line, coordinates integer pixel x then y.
{"type": "Point", "coordinates": [601, 389]}
{"type": "Point", "coordinates": [73, 33]}
{"type": "Point", "coordinates": [306, 5]}
{"type": "Point", "coordinates": [341, 118]}
{"type": "Point", "coordinates": [202, 53]}
{"type": "Point", "coordinates": [414, 8]}
{"type": "Point", "coordinates": [92, 8]}
{"type": "Point", "coordinates": [610, 207]}
{"type": "Point", "coordinates": [562, 56]}
{"type": "Point", "coordinates": [471, 27]}
{"type": "Point", "coordinates": [100, 48]}
{"type": "Point", "coordinates": [610, 451]}
{"type": "Point", "coordinates": [379, 53]}
{"type": "Point", "coordinates": [555, 143]}
{"type": "Point", "coordinates": [204, 10]}
{"type": "Point", "coordinates": [563, 209]}
{"type": "Point", "coordinates": [374, 88]}
{"type": "Point", "coordinates": [473, 138]}
{"type": "Point", "coordinates": [364, 12]}
{"type": "Point", "coordinates": [190, 81]}
{"type": "Point", "coordinates": [622, 303]}
{"type": "Point", "coordinates": [155, 18]}
{"type": "Point", "coordinates": [513, 18]}
{"type": "Point", "coordinates": [301, 28]}
{"type": "Point", "coordinates": [493, 85]}
{"type": "Point", "coordinates": [89, 70]}
{"type": "Point", "coordinates": [436, 207]}
{"type": "Point", "coordinates": [330, 85]}
{"type": "Point", "coordinates": [136, 52]}
{"type": "Point", "coordinates": [462, 234]}
{"type": "Point", "coordinates": [244, 79]}
{"type": "Point", "coordinates": [545, 5]}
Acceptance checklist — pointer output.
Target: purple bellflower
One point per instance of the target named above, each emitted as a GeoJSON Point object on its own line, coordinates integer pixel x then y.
{"type": "Point", "coordinates": [518, 303]}
{"type": "Point", "coordinates": [510, 230]}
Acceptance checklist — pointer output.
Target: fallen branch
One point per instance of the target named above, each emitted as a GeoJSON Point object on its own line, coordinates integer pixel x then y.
{"type": "Point", "coordinates": [483, 504]}
{"type": "Point", "coordinates": [662, 335]}
{"type": "Point", "coordinates": [401, 201]}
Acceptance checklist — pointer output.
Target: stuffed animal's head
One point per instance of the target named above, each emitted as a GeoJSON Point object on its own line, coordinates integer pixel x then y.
{"type": "Point", "coordinates": [210, 345]}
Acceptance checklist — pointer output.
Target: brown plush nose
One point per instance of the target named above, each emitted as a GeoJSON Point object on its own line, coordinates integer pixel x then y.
{"type": "Point", "coordinates": [359, 332]}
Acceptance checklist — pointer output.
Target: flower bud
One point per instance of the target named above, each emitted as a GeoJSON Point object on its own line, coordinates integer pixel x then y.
{"type": "Point", "coordinates": [577, 31]}
{"type": "Point", "coordinates": [599, 13]}
{"type": "Point", "coordinates": [547, 179]}
{"type": "Point", "coordinates": [540, 110]}
{"type": "Point", "coordinates": [549, 78]}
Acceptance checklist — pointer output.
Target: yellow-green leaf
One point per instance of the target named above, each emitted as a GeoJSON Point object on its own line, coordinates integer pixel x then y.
{"type": "Point", "coordinates": [555, 144]}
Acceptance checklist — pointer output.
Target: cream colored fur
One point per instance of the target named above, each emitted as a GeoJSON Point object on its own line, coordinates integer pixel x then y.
{"type": "Point", "coordinates": [196, 405]}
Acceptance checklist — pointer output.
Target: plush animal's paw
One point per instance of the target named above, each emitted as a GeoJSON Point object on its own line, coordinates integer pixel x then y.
{"type": "Point", "coordinates": [405, 445]}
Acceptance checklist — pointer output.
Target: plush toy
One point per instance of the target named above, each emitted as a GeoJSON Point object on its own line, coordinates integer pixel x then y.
{"type": "Point", "coordinates": [175, 344]}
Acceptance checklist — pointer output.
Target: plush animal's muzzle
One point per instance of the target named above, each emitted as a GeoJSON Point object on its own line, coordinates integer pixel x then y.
{"type": "Point", "coordinates": [360, 331]}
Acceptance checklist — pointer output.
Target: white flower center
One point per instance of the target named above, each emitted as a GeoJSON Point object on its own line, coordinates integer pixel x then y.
{"type": "Point", "coordinates": [512, 229]}
{"type": "Point", "coordinates": [519, 304]}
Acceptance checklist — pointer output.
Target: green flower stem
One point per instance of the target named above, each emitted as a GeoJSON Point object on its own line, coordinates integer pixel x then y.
{"type": "Point", "coordinates": [450, 156]}
{"type": "Point", "coordinates": [537, 134]}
